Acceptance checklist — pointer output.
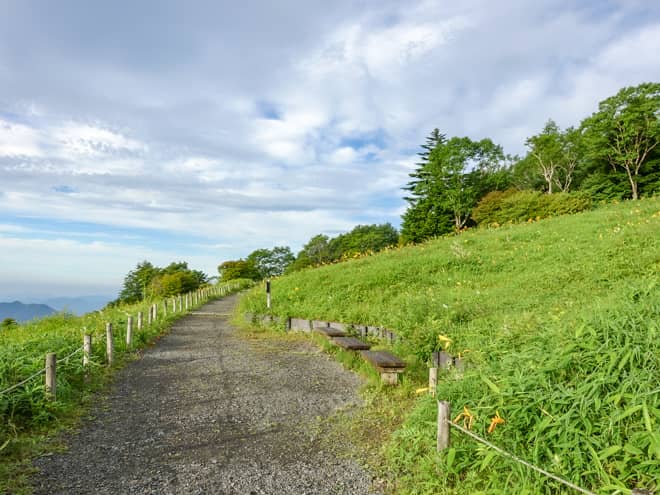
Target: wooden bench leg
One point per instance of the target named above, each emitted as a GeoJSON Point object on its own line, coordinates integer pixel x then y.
{"type": "Point", "coordinates": [389, 378]}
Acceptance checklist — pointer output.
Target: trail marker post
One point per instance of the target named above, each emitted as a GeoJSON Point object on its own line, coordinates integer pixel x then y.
{"type": "Point", "coordinates": [268, 300]}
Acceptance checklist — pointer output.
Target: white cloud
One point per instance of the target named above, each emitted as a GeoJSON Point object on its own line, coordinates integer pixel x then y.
{"type": "Point", "coordinates": [170, 137]}
{"type": "Point", "coordinates": [91, 141]}
{"type": "Point", "coordinates": [19, 140]}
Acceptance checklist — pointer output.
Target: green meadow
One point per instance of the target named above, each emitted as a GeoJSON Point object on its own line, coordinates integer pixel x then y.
{"type": "Point", "coordinates": [559, 323]}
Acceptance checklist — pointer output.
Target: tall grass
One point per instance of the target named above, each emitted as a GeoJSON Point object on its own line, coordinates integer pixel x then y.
{"type": "Point", "coordinates": [558, 321]}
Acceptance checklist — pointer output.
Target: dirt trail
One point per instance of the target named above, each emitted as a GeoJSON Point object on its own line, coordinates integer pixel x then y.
{"type": "Point", "coordinates": [209, 411]}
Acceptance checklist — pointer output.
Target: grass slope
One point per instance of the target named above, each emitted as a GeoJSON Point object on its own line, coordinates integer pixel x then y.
{"type": "Point", "coordinates": [559, 323]}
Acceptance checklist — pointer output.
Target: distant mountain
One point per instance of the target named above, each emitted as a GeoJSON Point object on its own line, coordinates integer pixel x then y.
{"type": "Point", "coordinates": [24, 312]}
{"type": "Point", "coordinates": [78, 305]}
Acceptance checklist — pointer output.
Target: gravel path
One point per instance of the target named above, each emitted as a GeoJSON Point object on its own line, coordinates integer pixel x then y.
{"type": "Point", "coordinates": [211, 411]}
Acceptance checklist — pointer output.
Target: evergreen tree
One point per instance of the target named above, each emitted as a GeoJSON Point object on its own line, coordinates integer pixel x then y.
{"type": "Point", "coordinates": [424, 218]}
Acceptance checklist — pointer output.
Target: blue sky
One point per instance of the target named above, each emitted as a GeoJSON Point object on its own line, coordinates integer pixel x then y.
{"type": "Point", "coordinates": [200, 131]}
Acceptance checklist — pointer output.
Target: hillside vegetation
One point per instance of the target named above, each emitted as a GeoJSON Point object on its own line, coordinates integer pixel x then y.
{"type": "Point", "coordinates": [559, 323]}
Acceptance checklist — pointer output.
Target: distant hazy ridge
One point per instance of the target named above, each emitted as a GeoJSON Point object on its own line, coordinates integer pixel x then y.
{"type": "Point", "coordinates": [24, 312]}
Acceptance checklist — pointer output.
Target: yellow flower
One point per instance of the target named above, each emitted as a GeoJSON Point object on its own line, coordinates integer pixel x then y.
{"type": "Point", "coordinates": [467, 416]}
{"type": "Point", "coordinates": [446, 341]}
{"type": "Point", "coordinates": [496, 420]}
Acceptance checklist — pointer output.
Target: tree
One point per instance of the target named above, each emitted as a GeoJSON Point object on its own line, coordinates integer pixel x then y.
{"type": "Point", "coordinates": [424, 217]}
{"type": "Point", "coordinates": [173, 283]}
{"type": "Point", "coordinates": [317, 250]}
{"type": "Point", "coordinates": [556, 153]}
{"type": "Point", "coordinates": [625, 131]}
{"type": "Point", "coordinates": [137, 282]}
{"type": "Point", "coordinates": [454, 174]}
{"type": "Point", "coordinates": [235, 269]}
{"type": "Point", "coordinates": [147, 280]}
{"type": "Point", "coordinates": [271, 262]}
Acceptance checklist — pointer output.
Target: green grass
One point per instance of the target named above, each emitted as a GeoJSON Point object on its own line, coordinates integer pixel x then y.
{"type": "Point", "coordinates": [28, 421]}
{"type": "Point", "coordinates": [559, 323]}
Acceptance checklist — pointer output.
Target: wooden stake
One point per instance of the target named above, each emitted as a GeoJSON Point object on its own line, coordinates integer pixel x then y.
{"type": "Point", "coordinates": [444, 417]}
{"type": "Point", "coordinates": [268, 294]}
{"type": "Point", "coordinates": [150, 315]}
{"type": "Point", "coordinates": [433, 380]}
{"type": "Point", "coordinates": [129, 331]}
{"type": "Point", "coordinates": [155, 311]}
{"type": "Point", "coordinates": [51, 375]}
{"type": "Point", "coordinates": [139, 323]}
{"type": "Point", "coordinates": [109, 344]}
{"type": "Point", "coordinates": [87, 349]}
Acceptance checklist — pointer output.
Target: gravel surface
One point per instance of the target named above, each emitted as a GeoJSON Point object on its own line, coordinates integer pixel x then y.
{"type": "Point", "coordinates": [209, 410]}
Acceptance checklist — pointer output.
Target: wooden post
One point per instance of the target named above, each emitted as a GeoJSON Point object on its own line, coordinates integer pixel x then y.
{"type": "Point", "coordinates": [109, 343]}
{"type": "Point", "coordinates": [444, 417]}
{"type": "Point", "coordinates": [268, 293]}
{"type": "Point", "coordinates": [186, 302]}
{"type": "Point", "coordinates": [150, 315]}
{"type": "Point", "coordinates": [164, 308]}
{"type": "Point", "coordinates": [155, 311]}
{"type": "Point", "coordinates": [139, 322]}
{"type": "Point", "coordinates": [174, 305]}
{"type": "Point", "coordinates": [442, 360]}
{"type": "Point", "coordinates": [87, 349]}
{"type": "Point", "coordinates": [51, 375]}
{"type": "Point", "coordinates": [180, 303]}
{"type": "Point", "coordinates": [433, 380]}
{"type": "Point", "coordinates": [129, 331]}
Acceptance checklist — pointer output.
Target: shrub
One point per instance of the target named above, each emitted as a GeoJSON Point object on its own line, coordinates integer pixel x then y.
{"type": "Point", "coordinates": [513, 206]}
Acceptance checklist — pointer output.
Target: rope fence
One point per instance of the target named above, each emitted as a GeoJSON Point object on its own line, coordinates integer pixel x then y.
{"type": "Point", "coordinates": [518, 459]}
{"type": "Point", "coordinates": [191, 299]}
{"type": "Point", "coordinates": [19, 384]}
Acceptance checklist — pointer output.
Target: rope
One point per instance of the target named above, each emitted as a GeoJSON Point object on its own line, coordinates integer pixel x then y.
{"type": "Point", "coordinates": [518, 459]}
{"type": "Point", "coordinates": [41, 371]}
{"type": "Point", "coordinates": [65, 359]}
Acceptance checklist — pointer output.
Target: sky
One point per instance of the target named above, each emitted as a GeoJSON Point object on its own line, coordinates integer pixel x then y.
{"type": "Point", "coordinates": [203, 130]}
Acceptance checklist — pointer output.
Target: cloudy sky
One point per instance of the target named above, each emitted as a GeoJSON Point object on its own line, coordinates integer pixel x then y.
{"type": "Point", "coordinates": [202, 130]}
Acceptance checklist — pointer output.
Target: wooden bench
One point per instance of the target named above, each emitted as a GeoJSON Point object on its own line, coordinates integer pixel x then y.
{"type": "Point", "coordinates": [387, 364]}
{"type": "Point", "coordinates": [329, 331]}
{"type": "Point", "coordinates": [351, 343]}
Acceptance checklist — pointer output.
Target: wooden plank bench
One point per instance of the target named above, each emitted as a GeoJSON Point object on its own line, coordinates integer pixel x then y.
{"type": "Point", "coordinates": [351, 343]}
{"type": "Point", "coordinates": [329, 331]}
{"type": "Point", "coordinates": [387, 364]}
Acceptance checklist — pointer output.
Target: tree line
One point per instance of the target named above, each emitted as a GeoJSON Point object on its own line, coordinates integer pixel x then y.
{"type": "Point", "coordinates": [613, 154]}
{"type": "Point", "coordinates": [147, 280]}
{"type": "Point", "coordinates": [320, 249]}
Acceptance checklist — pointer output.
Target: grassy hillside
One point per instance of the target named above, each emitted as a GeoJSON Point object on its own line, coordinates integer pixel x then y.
{"type": "Point", "coordinates": [559, 322]}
